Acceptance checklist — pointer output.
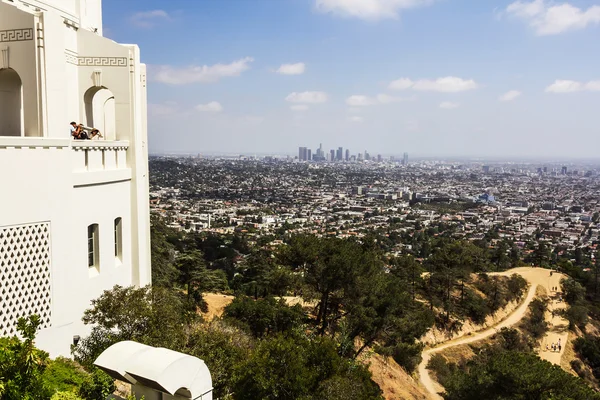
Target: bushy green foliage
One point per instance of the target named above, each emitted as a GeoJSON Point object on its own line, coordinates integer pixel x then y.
{"type": "Point", "coordinates": [535, 322]}
{"type": "Point", "coordinates": [64, 375]}
{"type": "Point", "coordinates": [588, 349]}
{"type": "Point", "coordinates": [300, 368]}
{"type": "Point", "coordinates": [264, 316]}
{"type": "Point", "coordinates": [22, 365]}
{"type": "Point", "coordinates": [223, 348]}
{"type": "Point", "coordinates": [573, 291]}
{"type": "Point", "coordinates": [97, 385]}
{"type": "Point", "coordinates": [407, 355]}
{"type": "Point", "coordinates": [516, 287]}
{"type": "Point", "coordinates": [500, 375]}
{"type": "Point", "coordinates": [510, 339]}
{"type": "Point", "coordinates": [441, 367]}
{"type": "Point", "coordinates": [65, 396]}
{"type": "Point", "coordinates": [152, 315]}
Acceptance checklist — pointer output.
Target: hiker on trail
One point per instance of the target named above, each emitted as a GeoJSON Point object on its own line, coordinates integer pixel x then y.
{"type": "Point", "coordinates": [547, 349]}
{"type": "Point", "coordinates": [559, 347]}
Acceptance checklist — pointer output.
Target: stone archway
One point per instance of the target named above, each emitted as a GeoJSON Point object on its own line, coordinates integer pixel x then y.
{"type": "Point", "coordinates": [100, 111]}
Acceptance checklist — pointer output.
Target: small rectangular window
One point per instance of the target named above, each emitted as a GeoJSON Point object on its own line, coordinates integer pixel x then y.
{"type": "Point", "coordinates": [93, 245]}
{"type": "Point", "coordinates": [118, 238]}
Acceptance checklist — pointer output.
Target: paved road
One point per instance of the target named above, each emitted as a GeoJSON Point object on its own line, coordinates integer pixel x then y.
{"type": "Point", "coordinates": [536, 277]}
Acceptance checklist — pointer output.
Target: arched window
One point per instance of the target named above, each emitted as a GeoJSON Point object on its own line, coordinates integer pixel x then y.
{"type": "Point", "coordinates": [119, 238]}
{"type": "Point", "coordinates": [100, 111]}
{"type": "Point", "coordinates": [93, 246]}
{"type": "Point", "coordinates": [11, 103]}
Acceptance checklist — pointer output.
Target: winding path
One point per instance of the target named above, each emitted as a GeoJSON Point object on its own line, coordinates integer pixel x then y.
{"type": "Point", "coordinates": [536, 277]}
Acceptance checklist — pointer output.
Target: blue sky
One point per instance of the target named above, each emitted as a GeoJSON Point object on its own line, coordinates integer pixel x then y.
{"type": "Point", "coordinates": [430, 77]}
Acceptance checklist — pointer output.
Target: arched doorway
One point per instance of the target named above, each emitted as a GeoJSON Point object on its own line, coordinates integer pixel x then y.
{"type": "Point", "coordinates": [100, 111]}
{"type": "Point", "coordinates": [11, 103]}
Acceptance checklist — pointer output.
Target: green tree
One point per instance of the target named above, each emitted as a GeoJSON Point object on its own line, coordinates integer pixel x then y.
{"type": "Point", "coordinates": [502, 375]}
{"type": "Point", "coordinates": [313, 370]}
{"type": "Point", "coordinates": [197, 279]}
{"type": "Point", "coordinates": [573, 291]}
{"type": "Point", "coordinates": [151, 315]}
{"type": "Point", "coordinates": [162, 252]}
{"type": "Point", "coordinates": [264, 317]}
{"type": "Point", "coordinates": [22, 365]}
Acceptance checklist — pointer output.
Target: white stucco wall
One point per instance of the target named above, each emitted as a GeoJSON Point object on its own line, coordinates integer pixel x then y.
{"type": "Point", "coordinates": [49, 180]}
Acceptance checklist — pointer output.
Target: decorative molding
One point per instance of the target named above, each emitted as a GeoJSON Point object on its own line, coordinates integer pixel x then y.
{"type": "Point", "coordinates": [102, 61]}
{"type": "Point", "coordinates": [16, 35]}
{"type": "Point", "coordinates": [4, 58]}
{"type": "Point", "coordinates": [72, 58]}
{"type": "Point", "coordinates": [97, 77]}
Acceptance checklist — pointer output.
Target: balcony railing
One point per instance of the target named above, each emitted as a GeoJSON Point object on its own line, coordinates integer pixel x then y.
{"type": "Point", "coordinates": [99, 155]}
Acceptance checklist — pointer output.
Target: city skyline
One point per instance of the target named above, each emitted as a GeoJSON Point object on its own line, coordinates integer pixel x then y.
{"type": "Point", "coordinates": [403, 77]}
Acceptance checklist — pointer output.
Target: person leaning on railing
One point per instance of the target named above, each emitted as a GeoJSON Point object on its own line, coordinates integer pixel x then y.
{"type": "Point", "coordinates": [96, 135]}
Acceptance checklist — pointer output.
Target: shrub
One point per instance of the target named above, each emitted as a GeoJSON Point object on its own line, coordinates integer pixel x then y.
{"type": "Point", "coordinates": [65, 396]}
{"type": "Point", "coordinates": [500, 375]}
{"type": "Point", "coordinates": [98, 385]}
{"type": "Point", "coordinates": [22, 365]}
{"type": "Point", "coordinates": [535, 323]}
{"type": "Point", "coordinates": [264, 316]}
{"type": "Point", "coordinates": [441, 367]}
{"type": "Point", "coordinates": [408, 356]}
{"type": "Point", "coordinates": [64, 375]}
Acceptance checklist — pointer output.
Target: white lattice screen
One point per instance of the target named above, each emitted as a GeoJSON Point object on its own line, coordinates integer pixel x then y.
{"type": "Point", "coordinates": [24, 275]}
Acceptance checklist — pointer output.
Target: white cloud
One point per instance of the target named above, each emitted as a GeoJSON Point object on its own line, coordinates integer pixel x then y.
{"type": "Point", "coordinates": [564, 86]}
{"type": "Point", "coordinates": [401, 84]}
{"type": "Point", "coordinates": [448, 105]}
{"type": "Point", "coordinates": [448, 84]}
{"type": "Point", "coordinates": [568, 86]}
{"type": "Point", "coordinates": [199, 74]}
{"type": "Point", "coordinates": [360, 101]}
{"type": "Point", "coordinates": [292, 69]}
{"type": "Point", "coordinates": [307, 97]}
{"type": "Point", "coordinates": [148, 19]}
{"type": "Point", "coordinates": [356, 119]}
{"type": "Point", "coordinates": [547, 18]}
{"type": "Point", "coordinates": [510, 95]}
{"type": "Point", "coordinates": [212, 107]}
{"type": "Point", "coordinates": [368, 9]}
{"type": "Point", "coordinates": [299, 107]}
{"type": "Point", "coordinates": [593, 86]}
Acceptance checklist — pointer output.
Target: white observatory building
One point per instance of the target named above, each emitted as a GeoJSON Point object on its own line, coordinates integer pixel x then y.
{"type": "Point", "coordinates": [74, 214]}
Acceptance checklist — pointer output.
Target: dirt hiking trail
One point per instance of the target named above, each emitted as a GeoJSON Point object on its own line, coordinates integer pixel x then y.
{"type": "Point", "coordinates": [557, 329]}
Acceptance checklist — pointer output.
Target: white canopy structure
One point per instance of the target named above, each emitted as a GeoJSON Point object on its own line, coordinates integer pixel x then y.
{"type": "Point", "coordinates": [161, 370]}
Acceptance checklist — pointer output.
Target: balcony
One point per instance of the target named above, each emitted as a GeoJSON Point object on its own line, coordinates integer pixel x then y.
{"type": "Point", "coordinates": [91, 162]}
{"type": "Point", "coordinates": [97, 162]}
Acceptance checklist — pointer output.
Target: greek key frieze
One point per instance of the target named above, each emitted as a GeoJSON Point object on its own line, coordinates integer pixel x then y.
{"type": "Point", "coordinates": [103, 61]}
{"type": "Point", "coordinates": [16, 35]}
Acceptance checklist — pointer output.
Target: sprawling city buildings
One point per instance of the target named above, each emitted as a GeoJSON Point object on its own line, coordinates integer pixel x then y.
{"type": "Point", "coordinates": [516, 202]}
{"type": "Point", "coordinates": [306, 154]}
{"type": "Point", "coordinates": [74, 217]}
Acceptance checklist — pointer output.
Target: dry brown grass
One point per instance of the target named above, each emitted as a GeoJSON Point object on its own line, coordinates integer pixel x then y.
{"type": "Point", "coordinates": [458, 354]}
{"type": "Point", "coordinates": [216, 304]}
{"type": "Point", "coordinates": [393, 380]}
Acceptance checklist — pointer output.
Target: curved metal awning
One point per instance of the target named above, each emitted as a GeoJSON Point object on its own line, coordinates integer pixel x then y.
{"type": "Point", "coordinates": [160, 369]}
